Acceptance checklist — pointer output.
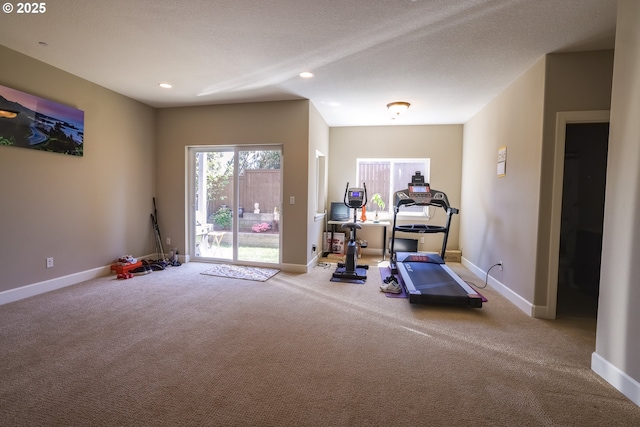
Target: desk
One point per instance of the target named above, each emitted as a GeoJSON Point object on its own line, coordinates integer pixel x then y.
{"type": "Point", "coordinates": [383, 224]}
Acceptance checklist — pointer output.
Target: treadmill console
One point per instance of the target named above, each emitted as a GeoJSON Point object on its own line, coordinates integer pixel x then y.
{"type": "Point", "coordinates": [419, 192]}
{"type": "Point", "coordinates": [422, 196]}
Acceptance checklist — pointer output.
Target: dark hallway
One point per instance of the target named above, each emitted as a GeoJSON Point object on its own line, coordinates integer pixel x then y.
{"type": "Point", "coordinates": [583, 194]}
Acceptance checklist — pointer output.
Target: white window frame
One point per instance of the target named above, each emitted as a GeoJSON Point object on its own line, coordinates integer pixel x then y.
{"type": "Point", "coordinates": [393, 187]}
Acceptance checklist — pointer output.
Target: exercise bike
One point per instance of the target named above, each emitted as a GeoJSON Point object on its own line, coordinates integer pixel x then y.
{"type": "Point", "coordinates": [354, 198]}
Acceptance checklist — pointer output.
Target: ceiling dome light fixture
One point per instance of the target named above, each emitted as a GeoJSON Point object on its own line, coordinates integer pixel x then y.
{"type": "Point", "coordinates": [165, 85]}
{"type": "Point", "coordinates": [306, 74]}
{"type": "Point", "coordinates": [398, 107]}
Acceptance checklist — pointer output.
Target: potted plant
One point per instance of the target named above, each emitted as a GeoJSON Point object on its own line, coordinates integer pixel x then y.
{"type": "Point", "coordinates": [377, 199]}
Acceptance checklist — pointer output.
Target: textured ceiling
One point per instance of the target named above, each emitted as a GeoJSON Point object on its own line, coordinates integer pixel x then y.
{"type": "Point", "coordinates": [447, 58]}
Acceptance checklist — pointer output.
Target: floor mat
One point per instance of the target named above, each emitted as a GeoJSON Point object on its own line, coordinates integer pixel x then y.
{"type": "Point", "coordinates": [386, 272]}
{"type": "Point", "coordinates": [360, 271]}
{"type": "Point", "coordinates": [259, 274]}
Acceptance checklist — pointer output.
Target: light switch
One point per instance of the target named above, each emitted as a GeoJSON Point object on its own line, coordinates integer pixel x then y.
{"type": "Point", "coordinates": [292, 200]}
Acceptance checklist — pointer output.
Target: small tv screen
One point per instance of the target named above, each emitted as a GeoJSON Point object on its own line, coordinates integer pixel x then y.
{"type": "Point", "coordinates": [339, 212]}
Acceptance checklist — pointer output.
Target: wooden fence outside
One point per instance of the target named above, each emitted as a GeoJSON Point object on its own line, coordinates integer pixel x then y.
{"type": "Point", "coordinates": [376, 178]}
{"type": "Point", "coordinates": [260, 186]}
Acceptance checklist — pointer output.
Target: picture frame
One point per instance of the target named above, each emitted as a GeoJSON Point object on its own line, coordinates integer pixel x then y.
{"type": "Point", "coordinates": [502, 162]}
{"type": "Point", "coordinates": [28, 121]}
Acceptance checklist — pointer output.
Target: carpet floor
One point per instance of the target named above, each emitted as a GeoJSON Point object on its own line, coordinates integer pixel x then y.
{"type": "Point", "coordinates": [177, 347]}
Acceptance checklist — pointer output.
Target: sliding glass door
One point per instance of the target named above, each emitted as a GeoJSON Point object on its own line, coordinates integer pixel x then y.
{"type": "Point", "coordinates": [236, 196]}
{"type": "Point", "coordinates": [212, 212]}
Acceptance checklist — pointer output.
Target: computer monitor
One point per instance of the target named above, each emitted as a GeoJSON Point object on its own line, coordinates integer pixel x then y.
{"type": "Point", "coordinates": [404, 245]}
{"type": "Point", "coordinates": [339, 212]}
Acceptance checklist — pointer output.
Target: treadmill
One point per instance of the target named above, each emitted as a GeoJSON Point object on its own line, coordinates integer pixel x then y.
{"type": "Point", "coordinates": [425, 276]}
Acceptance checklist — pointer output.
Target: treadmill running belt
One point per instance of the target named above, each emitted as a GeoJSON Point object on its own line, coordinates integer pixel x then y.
{"type": "Point", "coordinates": [432, 279]}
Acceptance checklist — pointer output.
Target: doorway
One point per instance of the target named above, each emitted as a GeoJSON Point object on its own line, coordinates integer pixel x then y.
{"type": "Point", "coordinates": [235, 203]}
{"type": "Point", "coordinates": [582, 217]}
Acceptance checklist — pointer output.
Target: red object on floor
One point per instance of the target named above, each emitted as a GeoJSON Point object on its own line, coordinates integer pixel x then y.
{"type": "Point", "coordinates": [124, 276]}
{"type": "Point", "coordinates": [120, 269]}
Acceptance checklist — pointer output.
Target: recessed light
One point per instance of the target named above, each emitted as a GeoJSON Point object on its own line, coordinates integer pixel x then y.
{"type": "Point", "coordinates": [306, 74]}
{"type": "Point", "coordinates": [165, 85]}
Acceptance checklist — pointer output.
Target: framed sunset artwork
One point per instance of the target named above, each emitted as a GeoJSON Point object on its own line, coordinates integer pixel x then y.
{"type": "Point", "coordinates": [28, 121]}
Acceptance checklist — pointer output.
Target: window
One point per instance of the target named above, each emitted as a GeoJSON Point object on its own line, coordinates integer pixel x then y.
{"type": "Point", "coordinates": [386, 176]}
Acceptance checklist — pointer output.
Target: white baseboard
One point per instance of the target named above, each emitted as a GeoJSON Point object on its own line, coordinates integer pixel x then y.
{"type": "Point", "coordinates": [617, 378]}
{"type": "Point", "coordinates": [312, 263]}
{"type": "Point", "coordinates": [503, 290]}
{"type": "Point", "coordinates": [34, 289]}
{"type": "Point", "coordinates": [542, 312]}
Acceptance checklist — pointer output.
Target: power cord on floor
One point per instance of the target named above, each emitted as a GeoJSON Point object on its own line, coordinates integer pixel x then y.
{"type": "Point", "coordinates": [486, 279]}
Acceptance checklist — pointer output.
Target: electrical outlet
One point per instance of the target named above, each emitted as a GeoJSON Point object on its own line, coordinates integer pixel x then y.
{"type": "Point", "coordinates": [313, 248]}
{"type": "Point", "coordinates": [422, 240]}
{"type": "Point", "coordinates": [168, 240]}
{"type": "Point", "coordinates": [49, 262]}
{"type": "Point", "coordinates": [500, 265]}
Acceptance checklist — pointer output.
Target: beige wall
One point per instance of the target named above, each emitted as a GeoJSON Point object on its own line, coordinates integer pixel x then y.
{"type": "Point", "coordinates": [513, 221]}
{"type": "Point", "coordinates": [617, 343]}
{"type": "Point", "coordinates": [442, 144]}
{"type": "Point", "coordinates": [86, 211]}
{"type": "Point", "coordinates": [285, 123]}
{"type": "Point", "coordinates": [503, 226]}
